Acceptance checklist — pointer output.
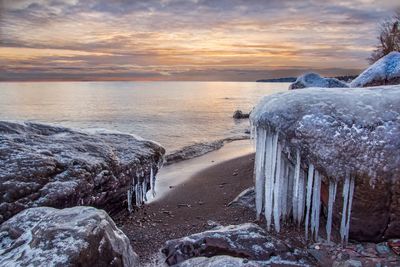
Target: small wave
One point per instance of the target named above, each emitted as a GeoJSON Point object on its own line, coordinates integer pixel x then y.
{"type": "Point", "coordinates": [199, 149]}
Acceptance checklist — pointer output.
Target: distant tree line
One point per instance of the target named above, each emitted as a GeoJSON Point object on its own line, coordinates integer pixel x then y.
{"type": "Point", "coordinates": [389, 38]}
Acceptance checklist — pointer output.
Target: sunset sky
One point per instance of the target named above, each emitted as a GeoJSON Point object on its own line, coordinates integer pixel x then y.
{"type": "Point", "coordinates": [241, 40]}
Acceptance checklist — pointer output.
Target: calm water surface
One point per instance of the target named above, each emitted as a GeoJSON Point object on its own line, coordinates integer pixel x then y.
{"type": "Point", "coordinates": [174, 114]}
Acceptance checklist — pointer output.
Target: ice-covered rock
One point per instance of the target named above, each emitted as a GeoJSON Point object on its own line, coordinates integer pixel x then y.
{"type": "Point", "coordinates": [79, 236]}
{"type": "Point", "coordinates": [229, 261]}
{"type": "Point", "coordinates": [248, 241]}
{"type": "Point", "coordinates": [386, 71]}
{"type": "Point", "coordinates": [315, 80]}
{"type": "Point", "coordinates": [44, 165]}
{"type": "Point", "coordinates": [315, 138]}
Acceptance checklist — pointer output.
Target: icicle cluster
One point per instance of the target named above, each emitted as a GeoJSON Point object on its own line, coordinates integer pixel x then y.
{"type": "Point", "coordinates": [286, 187]}
{"type": "Point", "coordinates": [139, 188]}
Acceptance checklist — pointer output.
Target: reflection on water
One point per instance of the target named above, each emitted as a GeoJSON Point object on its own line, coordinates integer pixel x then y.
{"type": "Point", "coordinates": [174, 114]}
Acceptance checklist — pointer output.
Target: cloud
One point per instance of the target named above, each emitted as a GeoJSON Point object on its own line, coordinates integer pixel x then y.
{"type": "Point", "coordinates": [180, 36]}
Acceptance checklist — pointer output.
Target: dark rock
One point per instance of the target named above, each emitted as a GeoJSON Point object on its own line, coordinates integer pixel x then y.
{"type": "Point", "coordinates": [247, 241]}
{"type": "Point", "coordinates": [245, 199]}
{"type": "Point", "coordinates": [315, 80]}
{"type": "Point", "coordinates": [44, 165]}
{"type": "Point", "coordinates": [386, 71]}
{"type": "Point", "coordinates": [79, 236]}
{"type": "Point", "coordinates": [238, 114]}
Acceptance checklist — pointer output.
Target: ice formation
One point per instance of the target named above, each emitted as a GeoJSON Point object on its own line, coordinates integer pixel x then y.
{"type": "Point", "coordinates": [308, 137]}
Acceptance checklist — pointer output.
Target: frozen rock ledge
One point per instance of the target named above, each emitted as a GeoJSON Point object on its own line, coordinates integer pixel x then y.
{"type": "Point", "coordinates": [79, 236]}
{"type": "Point", "coordinates": [345, 140]}
{"type": "Point", "coordinates": [44, 165]}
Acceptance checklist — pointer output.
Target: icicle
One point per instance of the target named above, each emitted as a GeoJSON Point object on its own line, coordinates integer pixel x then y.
{"type": "Point", "coordinates": [332, 196]}
{"type": "Point", "coordinates": [144, 190]}
{"type": "Point", "coordinates": [346, 187]}
{"type": "Point", "coordinates": [269, 177]}
{"type": "Point", "coordinates": [152, 183]}
{"type": "Point", "coordinates": [129, 193]}
{"type": "Point", "coordinates": [277, 189]}
{"type": "Point", "coordinates": [348, 192]}
{"type": "Point", "coordinates": [284, 174]}
{"type": "Point", "coordinates": [259, 167]}
{"type": "Point", "coordinates": [300, 199]}
{"type": "Point", "coordinates": [309, 193]}
{"type": "Point", "coordinates": [316, 205]}
{"type": "Point", "coordinates": [351, 194]}
{"type": "Point", "coordinates": [296, 186]}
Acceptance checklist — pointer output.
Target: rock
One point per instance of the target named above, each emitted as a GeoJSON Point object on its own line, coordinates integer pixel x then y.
{"type": "Point", "coordinates": [79, 236]}
{"type": "Point", "coordinates": [245, 199]}
{"type": "Point", "coordinates": [315, 80]}
{"type": "Point", "coordinates": [44, 165]}
{"type": "Point", "coordinates": [386, 71]}
{"type": "Point", "coordinates": [238, 114]}
{"type": "Point", "coordinates": [352, 131]}
{"type": "Point", "coordinates": [219, 261]}
{"type": "Point", "coordinates": [247, 241]}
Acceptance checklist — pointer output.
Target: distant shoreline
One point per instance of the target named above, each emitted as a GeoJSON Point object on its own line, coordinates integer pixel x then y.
{"type": "Point", "coordinates": [345, 78]}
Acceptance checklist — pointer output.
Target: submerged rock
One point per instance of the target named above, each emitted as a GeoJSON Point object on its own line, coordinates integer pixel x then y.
{"type": "Point", "coordinates": [247, 241]}
{"type": "Point", "coordinates": [79, 236]}
{"type": "Point", "coordinates": [315, 80]}
{"type": "Point", "coordinates": [349, 139]}
{"type": "Point", "coordinates": [386, 71]}
{"type": "Point", "coordinates": [44, 165]}
{"type": "Point", "coordinates": [238, 114]}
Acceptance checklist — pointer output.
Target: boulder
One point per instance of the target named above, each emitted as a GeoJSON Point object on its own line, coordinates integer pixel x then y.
{"type": "Point", "coordinates": [353, 132]}
{"type": "Point", "coordinates": [79, 236]}
{"type": "Point", "coordinates": [44, 165]}
{"type": "Point", "coordinates": [386, 71]}
{"type": "Point", "coordinates": [230, 261]}
{"type": "Point", "coordinates": [247, 241]}
{"type": "Point", "coordinates": [238, 114]}
{"type": "Point", "coordinates": [315, 80]}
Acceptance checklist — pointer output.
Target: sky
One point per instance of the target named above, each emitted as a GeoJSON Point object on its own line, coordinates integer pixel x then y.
{"type": "Point", "coordinates": [201, 40]}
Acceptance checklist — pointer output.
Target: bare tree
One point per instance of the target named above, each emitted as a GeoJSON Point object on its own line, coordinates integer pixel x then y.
{"type": "Point", "coordinates": [389, 38]}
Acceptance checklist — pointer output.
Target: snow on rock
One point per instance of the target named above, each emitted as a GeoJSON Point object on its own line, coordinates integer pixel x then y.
{"type": "Point", "coordinates": [350, 137]}
{"type": "Point", "coordinates": [44, 165]}
{"type": "Point", "coordinates": [386, 71]}
{"type": "Point", "coordinates": [79, 236]}
{"type": "Point", "coordinates": [228, 261]}
{"type": "Point", "coordinates": [315, 80]}
{"type": "Point", "coordinates": [247, 241]}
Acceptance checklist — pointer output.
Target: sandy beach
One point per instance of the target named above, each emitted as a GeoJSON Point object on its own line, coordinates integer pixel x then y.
{"type": "Point", "coordinates": [192, 205]}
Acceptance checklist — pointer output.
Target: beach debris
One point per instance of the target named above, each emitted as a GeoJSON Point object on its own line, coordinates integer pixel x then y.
{"type": "Point", "coordinates": [385, 71]}
{"type": "Point", "coordinates": [315, 80]}
{"type": "Point", "coordinates": [315, 138]}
